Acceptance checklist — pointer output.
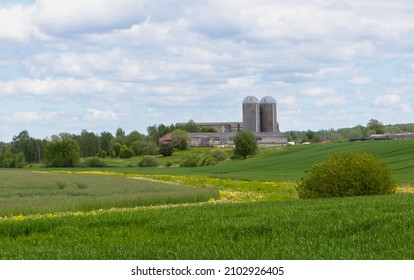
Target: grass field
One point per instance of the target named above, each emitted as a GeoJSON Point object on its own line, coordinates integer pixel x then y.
{"type": "Point", "coordinates": [348, 228]}
{"type": "Point", "coordinates": [49, 215]}
{"type": "Point", "coordinates": [26, 192]}
{"type": "Point", "coordinates": [287, 164]}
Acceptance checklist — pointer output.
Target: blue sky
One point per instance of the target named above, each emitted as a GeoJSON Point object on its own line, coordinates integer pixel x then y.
{"type": "Point", "coordinates": [103, 64]}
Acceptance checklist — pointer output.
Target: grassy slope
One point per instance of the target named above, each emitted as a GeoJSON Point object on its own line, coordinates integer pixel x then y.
{"type": "Point", "coordinates": [291, 162]}
{"type": "Point", "coordinates": [347, 228]}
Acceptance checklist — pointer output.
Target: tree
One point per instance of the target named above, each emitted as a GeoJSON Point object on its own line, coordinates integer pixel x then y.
{"type": "Point", "coordinates": [376, 125]}
{"type": "Point", "coordinates": [245, 144]}
{"type": "Point", "coordinates": [63, 153]}
{"type": "Point", "coordinates": [120, 133]}
{"type": "Point", "coordinates": [126, 152]}
{"type": "Point", "coordinates": [166, 149]}
{"type": "Point", "coordinates": [105, 141]}
{"type": "Point", "coordinates": [115, 149]}
{"type": "Point", "coordinates": [347, 174]}
{"type": "Point", "coordinates": [179, 139]}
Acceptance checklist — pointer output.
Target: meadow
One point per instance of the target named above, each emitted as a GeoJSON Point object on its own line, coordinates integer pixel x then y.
{"type": "Point", "coordinates": [244, 209]}
{"type": "Point", "coordinates": [26, 192]}
{"type": "Point", "coordinates": [347, 228]}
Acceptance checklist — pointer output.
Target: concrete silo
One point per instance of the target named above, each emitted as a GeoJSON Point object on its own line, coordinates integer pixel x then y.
{"type": "Point", "coordinates": [251, 114]}
{"type": "Point", "coordinates": [268, 115]}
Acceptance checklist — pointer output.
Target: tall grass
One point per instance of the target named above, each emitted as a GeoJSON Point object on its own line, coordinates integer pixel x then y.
{"type": "Point", "coordinates": [22, 191]}
{"type": "Point", "coordinates": [349, 228]}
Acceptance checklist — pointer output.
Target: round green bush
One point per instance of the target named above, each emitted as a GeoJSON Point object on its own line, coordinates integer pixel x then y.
{"type": "Point", "coordinates": [219, 155]}
{"type": "Point", "coordinates": [347, 174]}
{"type": "Point", "coordinates": [126, 152]}
{"type": "Point", "coordinates": [148, 161]}
{"type": "Point", "coordinates": [94, 162]}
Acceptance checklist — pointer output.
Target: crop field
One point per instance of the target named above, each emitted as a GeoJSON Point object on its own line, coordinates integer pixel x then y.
{"type": "Point", "coordinates": [245, 209]}
{"type": "Point", "coordinates": [26, 192]}
{"type": "Point", "coordinates": [347, 228]}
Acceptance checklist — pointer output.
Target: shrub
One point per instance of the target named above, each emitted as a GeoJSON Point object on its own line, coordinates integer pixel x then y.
{"type": "Point", "coordinates": [94, 162]}
{"type": "Point", "coordinates": [191, 161]}
{"type": "Point", "coordinates": [206, 161]}
{"type": "Point", "coordinates": [168, 163]}
{"type": "Point", "coordinates": [347, 174]}
{"type": "Point", "coordinates": [148, 161]}
{"type": "Point", "coordinates": [219, 155]}
{"type": "Point", "coordinates": [115, 149]}
{"type": "Point", "coordinates": [126, 152]}
{"type": "Point", "coordinates": [166, 149]}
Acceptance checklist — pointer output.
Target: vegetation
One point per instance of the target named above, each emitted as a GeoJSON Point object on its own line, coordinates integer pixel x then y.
{"type": "Point", "coordinates": [94, 162]}
{"type": "Point", "coordinates": [26, 192]}
{"type": "Point", "coordinates": [63, 153]}
{"type": "Point", "coordinates": [124, 211]}
{"type": "Point", "coordinates": [245, 144]}
{"type": "Point", "coordinates": [376, 227]}
{"type": "Point", "coordinates": [179, 139]}
{"type": "Point", "coordinates": [166, 149]}
{"type": "Point", "coordinates": [148, 161]}
{"type": "Point", "coordinates": [347, 174]}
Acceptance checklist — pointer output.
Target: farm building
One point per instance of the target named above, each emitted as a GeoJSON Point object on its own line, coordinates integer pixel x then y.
{"type": "Point", "coordinates": [259, 117]}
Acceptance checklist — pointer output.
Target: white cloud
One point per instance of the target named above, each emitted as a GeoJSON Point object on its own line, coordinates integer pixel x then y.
{"type": "Point", "coordinates": [406, 108]}
{"type": "Point", "coordinates": [387, 100]}
{"type": "Point", "coordinates": [318, 91]}
{"type": "Point", "coordinates": [330, 101]}
{"type": "Point", "coordinates": [32, 116]}
{"type": "Point", "coordinates": [99, 115]}
{"type": "Point", "coordinates": [78, 16]}
{"type": "Point", "coordinates": [360, 80]}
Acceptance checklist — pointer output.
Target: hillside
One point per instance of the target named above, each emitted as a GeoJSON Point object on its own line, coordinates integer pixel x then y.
{"type": "Point", "coordinates": [290, 163]}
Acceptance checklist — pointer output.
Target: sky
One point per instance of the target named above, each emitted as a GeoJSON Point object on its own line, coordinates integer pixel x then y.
{"type": "Point", "coordinates": [99, 65]}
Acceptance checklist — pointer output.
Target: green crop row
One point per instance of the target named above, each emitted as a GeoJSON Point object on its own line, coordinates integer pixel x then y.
{"type": "Point", "coordinates": [378, 227]}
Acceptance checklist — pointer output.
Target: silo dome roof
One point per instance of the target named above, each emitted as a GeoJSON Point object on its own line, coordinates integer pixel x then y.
{"type": "Point", "coordinates": [268, 100]}
{"type": "Point", "coordinates": [250, 99]}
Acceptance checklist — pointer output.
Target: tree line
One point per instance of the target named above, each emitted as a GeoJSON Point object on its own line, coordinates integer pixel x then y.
{"type": "Point", "coordinates": [345, 134]}
{"type": "Point", "coordinates": [66, 149]}
{"type": "Point", "coordinates": [25, 150]}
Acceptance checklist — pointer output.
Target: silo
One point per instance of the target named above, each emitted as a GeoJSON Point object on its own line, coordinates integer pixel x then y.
{"type": "Point", "coordinates": [268, 115]}
{"type": "Point", "coordinates": [251, 114]}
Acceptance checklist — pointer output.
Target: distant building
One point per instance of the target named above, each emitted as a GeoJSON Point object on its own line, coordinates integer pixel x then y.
{"type": "Point", "coordinates": [259, 117]}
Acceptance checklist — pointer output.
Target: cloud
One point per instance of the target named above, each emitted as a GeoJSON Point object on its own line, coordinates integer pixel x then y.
{"type": "Point", "coordinates": [15, 24]}
{"type": "Point", "coordinates": [387, 100]}
{"type": "Point", "coordinates": [32, 116]}
{"type": "Point", "coordinates": [360, 80]}
{"type": "Point", "coordinates": [318, 92]}
{"type": "Point", "coordinates": [330, 101]}
{"type": "Point", "coordinates": [80, 17]}
{"type": "Point", "coordinates": [100, 115]}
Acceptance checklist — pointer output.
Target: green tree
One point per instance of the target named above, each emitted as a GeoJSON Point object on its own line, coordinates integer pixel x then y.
{"type": "Point", "coordinates": [120, 132]}
{"type": "Point", "coordinates": [347, 174]}
{"type": "Point", "coordinates": [166, 149]}
{"type": "Point", "coordinates": [179, 139]}
{"type": "Point", "coordinates": [63, 153]}
{"type": "Point", "coordinates": [126, 152]}
{"type": "Point", "coordinates": [245, 144]}
{"type": "Point", "coordinates": [376, 125]}
{"type": "Point", "coordinates": [115, 149]}
{"type": "Point", "coordinates": [105, 141]}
